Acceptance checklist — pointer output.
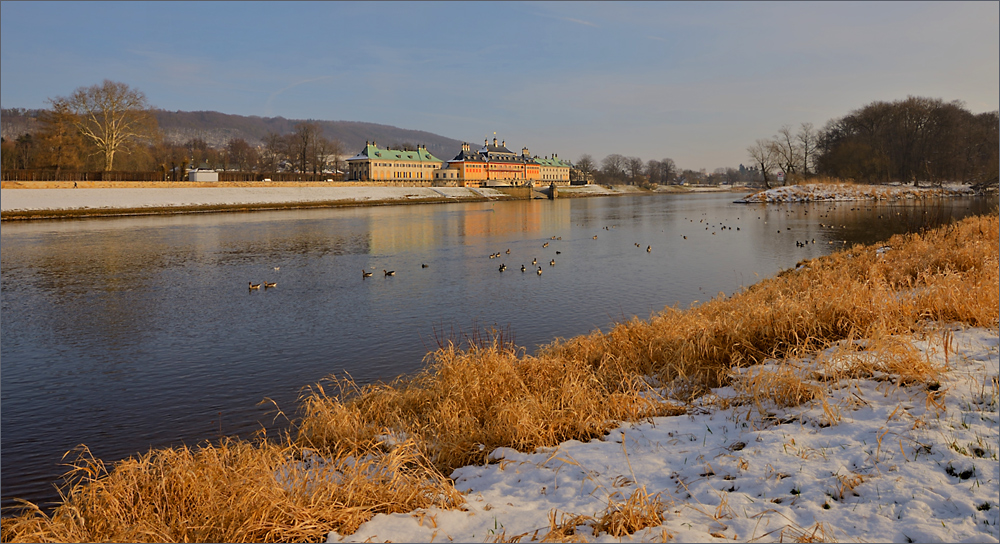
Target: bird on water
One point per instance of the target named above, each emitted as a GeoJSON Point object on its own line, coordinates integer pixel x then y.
{"type": "Point", "coordinates": [254, 286]}
{"type": "Point", "coordinates": [389, 272]}
{"type": "Point", "coordinates": [269, 284]}
{"type": "Point", "coordinates": [365, 274]}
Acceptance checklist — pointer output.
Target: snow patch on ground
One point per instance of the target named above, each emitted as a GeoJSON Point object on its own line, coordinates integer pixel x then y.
{"type": "Point", "coordinates": [848, 192]}
{"type": "Point", "coordinates": [77, 199]}
{"type": "Point", "coordinates": [898, 463]}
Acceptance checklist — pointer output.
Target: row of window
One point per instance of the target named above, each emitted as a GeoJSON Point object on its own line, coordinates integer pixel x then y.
{"type": "Point", "coordinates": [406, 165]}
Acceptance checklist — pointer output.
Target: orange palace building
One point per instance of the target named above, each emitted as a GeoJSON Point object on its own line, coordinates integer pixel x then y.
{"type": "Point", "coordinates": [497, 165]}
{"type": "Point", "coordinates": [490, 165]}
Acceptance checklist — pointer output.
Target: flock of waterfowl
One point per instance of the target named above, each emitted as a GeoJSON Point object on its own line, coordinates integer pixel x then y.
{"type": "Point", "coordinates": [534, 261]}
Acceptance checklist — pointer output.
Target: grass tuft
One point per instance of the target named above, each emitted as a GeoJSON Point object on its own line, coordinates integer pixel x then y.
{"type": "Point", "coordinates": [384, 448]}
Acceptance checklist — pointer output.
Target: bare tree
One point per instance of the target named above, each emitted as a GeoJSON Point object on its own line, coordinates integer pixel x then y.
{"type": "Point", "coordinates": [302, 144]}
{"type": "Point", "coordinates": [654, 172]}
{"type": "Point", "coordinates": [613, 167]}
{"type": "Point", "coordinates": [273, 152]}
{"type": "Point", "coordinates": [762, 154]}
{"type": "Point", "coordinates": [239, 152]}
{"type": "Point", "coordinates": [60, 144]}
{"type": "Point", "coordinates": [807, 144]}
{"type": "Point", "coordinates": [668, 170]}
{"type": "Point", "coordinates": [111, 115]}
{"type": "Point", "coordinates": [633, 165]}
{"type": "Point", "coordinates": [586, 167]}
{"type": "Point", "coordinates": [786, 151]}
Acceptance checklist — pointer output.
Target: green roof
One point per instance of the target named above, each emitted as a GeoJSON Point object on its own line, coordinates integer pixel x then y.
{"type": "Point", "coordinates": [373, 152]}
{"type": "Point", "coordinates": [551, 162]}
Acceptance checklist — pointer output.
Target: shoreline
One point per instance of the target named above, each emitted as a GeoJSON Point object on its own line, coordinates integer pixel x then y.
{"type": "Point", "coordinates": [809, 382]}
{"type": "Point", "coordinates": [59, 200]}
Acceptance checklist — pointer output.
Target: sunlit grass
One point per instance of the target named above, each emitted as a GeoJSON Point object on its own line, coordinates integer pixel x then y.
{"type": "Point", "coordinates": [361, 450]}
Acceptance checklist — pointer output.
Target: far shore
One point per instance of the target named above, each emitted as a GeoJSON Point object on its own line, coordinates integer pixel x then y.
{"type": "Point", "coordinates": [55, 200]}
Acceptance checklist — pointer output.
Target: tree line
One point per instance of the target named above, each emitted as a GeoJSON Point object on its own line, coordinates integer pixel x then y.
{"type": "Point", "coordinates": [907, 141]}
{"type": "Point", "coordinates": [111, 126]}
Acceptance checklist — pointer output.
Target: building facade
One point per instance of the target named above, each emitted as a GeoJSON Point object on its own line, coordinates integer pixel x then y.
{"type": "Point", "coordinates": [496, 165]}
{"type": "Point", "coordinates": [378, 164]}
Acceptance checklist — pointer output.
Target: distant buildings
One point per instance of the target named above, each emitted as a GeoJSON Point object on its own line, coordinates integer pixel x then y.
{"type": "Point", "coordinates": [490, 165]}
{"type": "Point", "coordinates": [377, 164]}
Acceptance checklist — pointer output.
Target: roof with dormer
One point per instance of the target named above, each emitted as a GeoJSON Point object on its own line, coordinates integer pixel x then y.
{"type": "Point", "coordinates": [373, 152]}
{"type": "Point", "coordinates": [553, 162]}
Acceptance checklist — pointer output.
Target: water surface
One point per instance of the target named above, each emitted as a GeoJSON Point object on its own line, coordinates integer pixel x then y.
{"type": "Point", "coordinates": [131, 333]}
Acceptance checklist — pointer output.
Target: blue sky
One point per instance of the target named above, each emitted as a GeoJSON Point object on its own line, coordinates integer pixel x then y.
{"type": "Point", "coordinates": [696, 82]}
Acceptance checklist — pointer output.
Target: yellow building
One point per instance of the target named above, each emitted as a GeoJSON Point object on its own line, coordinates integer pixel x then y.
{"type": "Point", "coordinates": [553, 170]}
{"type": "Point", "coordinates": [376, 164]}
{"type": "Point", "coordinates": [497, 165]}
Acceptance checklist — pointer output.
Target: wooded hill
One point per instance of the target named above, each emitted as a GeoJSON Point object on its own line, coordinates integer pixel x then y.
{"type": "Point", "coordinates": [216, 129]}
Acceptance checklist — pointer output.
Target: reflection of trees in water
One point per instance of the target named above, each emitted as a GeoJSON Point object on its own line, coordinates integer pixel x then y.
{"type": "Point", "coordinates": [281, 249]}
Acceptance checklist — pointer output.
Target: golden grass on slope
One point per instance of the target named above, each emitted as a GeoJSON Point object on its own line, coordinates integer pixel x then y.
{"type": "Point", "coordinates": [949, 274]}
{"type": "Point", "coordinates": [466, 403]}
{"type": "Point", "coordinates": [384, 448]}
{"type": "Point", "coordinates": [236, 491]}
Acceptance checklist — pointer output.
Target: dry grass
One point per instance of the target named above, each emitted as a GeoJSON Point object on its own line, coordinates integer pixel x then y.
{"type": "Point", "coordinates": [948, 275]}
{"type": "Point", "coordinates": [236, 491]}
{"type": "Point", "coordinates": [639, 511]}
{"type": "Point", "coordinates": [466, 403]}
{"type": "Point", "coordinates": [386, 446]}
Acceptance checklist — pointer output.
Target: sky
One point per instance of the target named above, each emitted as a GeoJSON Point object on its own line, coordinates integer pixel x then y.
{"type": "Point", "coordinates": [696, 82]}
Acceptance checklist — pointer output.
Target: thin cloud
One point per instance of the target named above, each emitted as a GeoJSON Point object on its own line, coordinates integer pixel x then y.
{"type": "Point", "coordinates": [275, 94]}
{"type": "Point", "coordinates": [579, 22]}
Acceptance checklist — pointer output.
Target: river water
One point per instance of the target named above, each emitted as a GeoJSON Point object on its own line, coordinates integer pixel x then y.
{"type": "Point", "coordinates": [131, 333]}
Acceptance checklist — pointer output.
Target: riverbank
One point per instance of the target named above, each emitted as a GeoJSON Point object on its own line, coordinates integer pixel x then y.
{"type": "Point", "coordinates": [54, 200]}
{"type": "Point", "coordinates": [772, 413]}
{"type": "Point", "coordinates": [93, 202]}
{"type": "Point", "coordinates": [847, 192]}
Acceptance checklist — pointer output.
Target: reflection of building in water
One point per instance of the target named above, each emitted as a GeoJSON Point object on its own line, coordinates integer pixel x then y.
{"type": "Point", "coordinates": [497, 165]}
{"type": "Point", "coordinates": [376, 164]}
{"type": "Point", "coordinates": [400, 229]}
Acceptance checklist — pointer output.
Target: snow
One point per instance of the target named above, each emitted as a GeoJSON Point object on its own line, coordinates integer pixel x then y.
{"type": "Point", "coordinates": [848, 192]}
{"type": "Point", "coordinates": [76, 199]}
{"type": "Point", "coordinates": [873, 461]}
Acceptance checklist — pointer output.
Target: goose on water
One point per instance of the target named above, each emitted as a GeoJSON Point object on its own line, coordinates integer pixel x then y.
{"type": "Point", "coordinates": [365, 274]}
{"type": "Point", "coordinates": [269, 284]}
{"type": "Point", "coordinates": [539, 271]}
{"type": "Point", "coordinates": [254, 285]}
{"type": "Point", "coordinates": [423, 266]}
{"type": "Point", "coordinates": [389, 272]}
{"type": "Point", "coordinates": [523, 268]}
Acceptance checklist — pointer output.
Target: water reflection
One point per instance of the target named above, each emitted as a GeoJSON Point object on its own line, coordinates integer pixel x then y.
{"type": "Point", "coordinates": [132, 333]}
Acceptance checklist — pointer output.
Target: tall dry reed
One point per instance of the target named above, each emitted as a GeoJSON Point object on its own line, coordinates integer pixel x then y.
{"type": "Point", "coordinates": [384, 448]}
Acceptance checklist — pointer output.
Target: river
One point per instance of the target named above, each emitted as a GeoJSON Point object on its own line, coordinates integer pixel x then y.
{"type": "Point", "coordinates": [130, 333]}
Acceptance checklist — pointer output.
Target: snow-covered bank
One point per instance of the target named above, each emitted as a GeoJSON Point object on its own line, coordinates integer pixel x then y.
{"type": "Point", "coordinates": [98, 200]}
{"type": "Point", "coordinates": [849, 192]}
{"type": "Point", "coordinates": [869, 460]}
